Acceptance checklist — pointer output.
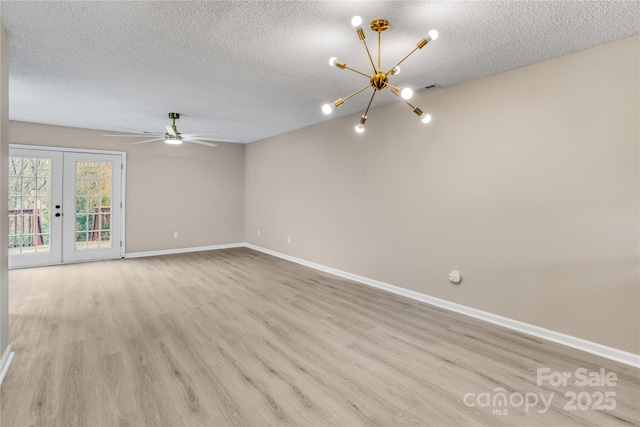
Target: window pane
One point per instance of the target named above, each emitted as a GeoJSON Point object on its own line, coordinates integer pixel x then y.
{"type": "Point", "coordinates": [94, 205]}
{"type": "Point", "coordinates": [15, 166]}
{"type": "Point", "coordinates": [106, 222]}
{"type": "Point", "coordinates": [28, 167]}
{"type": "Point", "coordinates": [15, 203]}
{"type": "Point", "coordinates": [81, 222]}
{"type": "Point", "coordinates": [43, 186]}
{"type": "Point", "coordinates": [28, 186]}
{"type": "Point", "coordinates": [15, 186]}
{"type": "Point", "coordinates": [81, 204]}
{"type": "Point", "coordinates": [81, 169]}
{"type": "Point", "coordinates": [82, 187]}
{"type": "Point", "coordinates": [44, 167]}
{"type": "Point", "coordinates": [94, 169]}
{"type": "Point", "coordinates": [44, 204]}
{"type": "Point", "coordinates": [42, 242]}
{"type": "Point", "coordinates": [105, 239]}
{"type": "Point", "coordinates": [81, 240]}
{"type": "Point", "coordinates": [29, 204]}
{"type": "Point", "coordinates": [14, 225]}
{"type": "Point", "coordinates": [106, 170]}
{"type": "Point", "coordinates": [94, 188]}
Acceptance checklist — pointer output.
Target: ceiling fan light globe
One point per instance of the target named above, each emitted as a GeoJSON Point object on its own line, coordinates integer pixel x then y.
{"type": "Point", "coordinates": [173, 141]}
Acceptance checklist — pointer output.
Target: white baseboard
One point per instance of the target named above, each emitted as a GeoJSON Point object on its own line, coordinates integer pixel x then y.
{"type": "Point", "coordinates": [568, 340]}
{"type": "Point", "coordinates": [184, 250]}
{"type": "Point", "coordinates": [5, 362]}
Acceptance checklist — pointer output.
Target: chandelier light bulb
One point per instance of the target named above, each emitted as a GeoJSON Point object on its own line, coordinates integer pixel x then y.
{"type": "Point", "coordinates": [328, 108]}
{"type": "Point", "coordinates": [396, 70]}
{"type": "Point", "coordinates": [333, 61]}
{"type": "Point", "coordinates": [360, 126]}
{"type": "Point", "coordinates": [406, 93]}
{"type": "Point", "coordinates": [425, 118]}
{"type": "Point", "coordinates": [433, 34]}
{"type": "Point", "coordinates": [356, 21]}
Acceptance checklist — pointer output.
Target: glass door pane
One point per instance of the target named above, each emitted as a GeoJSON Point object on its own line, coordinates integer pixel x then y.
{"type": "Point", "coordinates": [93, 205]}
{"type": "Point", "coordinates": [35, 179]}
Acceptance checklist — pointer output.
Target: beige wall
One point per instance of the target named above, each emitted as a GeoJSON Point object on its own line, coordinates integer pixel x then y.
{"type": "Point", "coordinates": [195, 190]}
{"type": "Point", "coordinates": [527, 182]}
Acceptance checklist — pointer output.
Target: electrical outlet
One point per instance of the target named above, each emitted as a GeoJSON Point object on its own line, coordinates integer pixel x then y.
{"type": "Point", "coordinates": [454, 277]}
{"type": "Point", "coordinates": [175, 234]}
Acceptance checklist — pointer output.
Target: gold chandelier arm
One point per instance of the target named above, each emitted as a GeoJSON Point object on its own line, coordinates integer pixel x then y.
{"type": "Point", "coordinates": [361, 36]}
{"type": "Point", "coordinates": [370, 101]}
{"type": "Point", "coordinates": [402, 60]}
{"type": "Point", "coordinates": [426, 118]}
{"type": "Point", "coordinates": [356, 71]}
{"type": "Point", "coordinates": [356, 92]}
{"type": "Point", "coordinates": [422, 43]}
{"type": "Point", "coordinates": [392, 88]}
{"type": "Point", "coordinates": [379, 33]}
{"type": "Point", "coordinates": [398, 95]}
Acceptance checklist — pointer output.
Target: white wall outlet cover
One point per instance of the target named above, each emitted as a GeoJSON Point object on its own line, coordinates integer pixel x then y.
{"type": "Point", "coordinates": [454, 276]}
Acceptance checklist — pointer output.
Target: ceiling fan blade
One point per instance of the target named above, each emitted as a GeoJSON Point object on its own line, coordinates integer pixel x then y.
{"type": "Point", "coordinates": [135, 135]}
{"type": "Point", "coordinates": [197, 141]}
{"type": "Point", "coordinates": [144, 132]}
{"type": "Point", "coordinates": [149, 140]}
{"type": "Point", "coordinates": [211, 138]}
{"type": "Point", "coordinates": [170, 130]}
{"type": "Point", "coordinates": [197, 134]}
{"type": "Point", "coordinates": [208, 135]}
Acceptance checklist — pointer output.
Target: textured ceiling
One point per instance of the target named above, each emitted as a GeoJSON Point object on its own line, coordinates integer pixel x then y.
{"type": "Point", "coordinates": [248, 70]}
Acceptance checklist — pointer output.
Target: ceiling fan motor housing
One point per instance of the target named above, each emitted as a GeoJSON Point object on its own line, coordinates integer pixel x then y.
{"type": "Point", "coordinates": [174, 116]}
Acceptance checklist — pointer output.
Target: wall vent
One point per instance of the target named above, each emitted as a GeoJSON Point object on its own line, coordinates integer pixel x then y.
{"type": "Point", "coordinates": [432, 87]}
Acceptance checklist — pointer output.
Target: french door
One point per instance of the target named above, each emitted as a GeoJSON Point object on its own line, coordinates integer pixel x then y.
{"type": "Point", "coordinates": [63, 207]}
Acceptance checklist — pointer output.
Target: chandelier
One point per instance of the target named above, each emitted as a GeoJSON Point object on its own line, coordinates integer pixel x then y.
{"type": "Point", "coordinates": [379, 79]}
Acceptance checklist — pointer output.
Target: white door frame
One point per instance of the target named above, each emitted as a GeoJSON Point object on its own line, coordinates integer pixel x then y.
{"type": "Point", "coordinates": [70, 253]}
{"type": "Point", "coordinates": [123, 156]}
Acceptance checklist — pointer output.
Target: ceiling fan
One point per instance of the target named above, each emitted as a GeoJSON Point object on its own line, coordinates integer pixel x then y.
{"type": "Point", "coordinates": [171, 136]}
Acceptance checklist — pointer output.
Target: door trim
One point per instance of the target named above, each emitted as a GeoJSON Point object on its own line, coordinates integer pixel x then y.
{"type": "Point", "coordinates": [123, 155]}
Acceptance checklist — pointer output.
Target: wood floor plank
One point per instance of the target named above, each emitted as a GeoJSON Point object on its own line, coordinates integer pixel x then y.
{"type": "Point", "coordinates": [239, 338]}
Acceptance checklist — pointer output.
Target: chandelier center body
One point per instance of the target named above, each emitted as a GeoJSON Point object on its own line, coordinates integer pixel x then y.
{"type": "Point", "coordinates": [379, 80]}
{"type": "Point", "coordinates": [379, 25]}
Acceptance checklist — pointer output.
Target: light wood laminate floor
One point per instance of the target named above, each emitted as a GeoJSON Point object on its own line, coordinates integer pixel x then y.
{"type": "Point", "coordinates": [236, 337]}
